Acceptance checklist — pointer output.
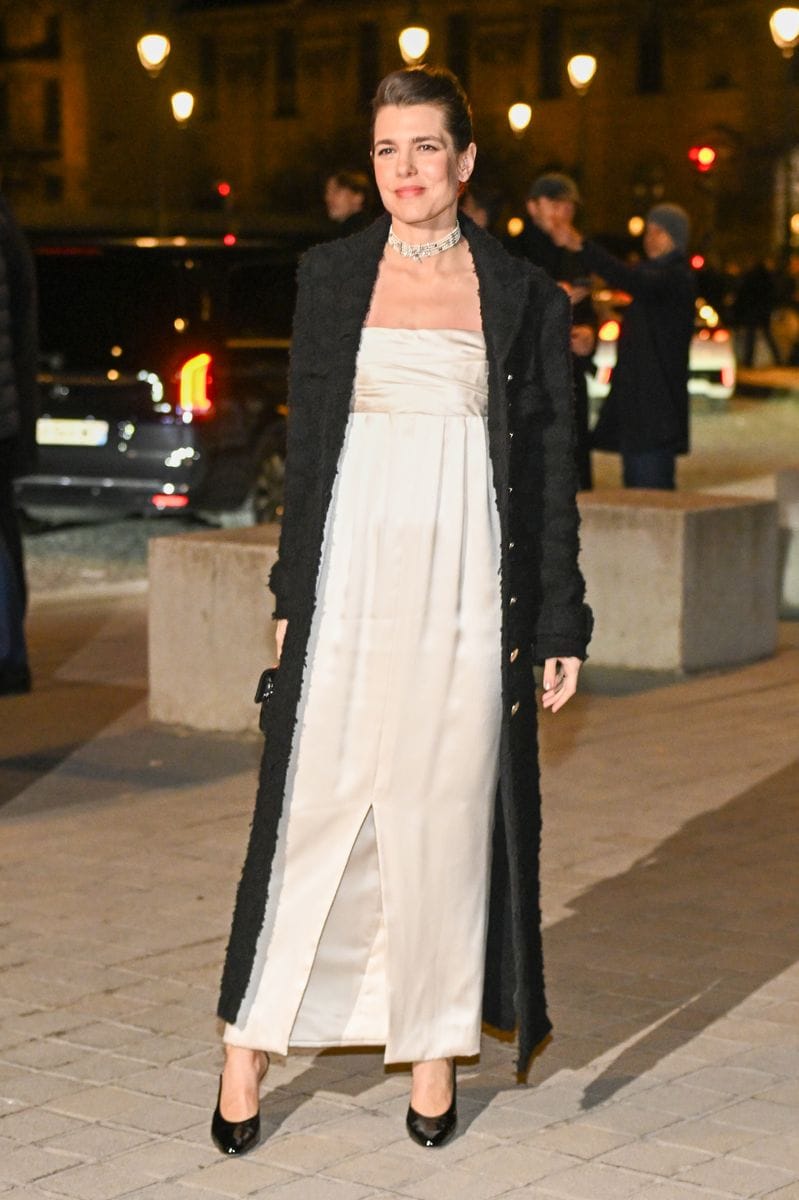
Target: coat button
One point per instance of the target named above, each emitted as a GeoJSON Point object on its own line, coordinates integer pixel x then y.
{"type": "Point", "coordinates": [510, 491]}
{"type": "Point", "coordinates": [514, 708]}
{"type": "Point", "coordinates": [512, 600]}
{"type": "Point", "coordinates": [510, 378]}
{"type": "Point", "coordinates": [514, 654]}
{"type": "Point", "coordinates": [511, 545]}
{"type": "Point", "coordinates": [510, 435]}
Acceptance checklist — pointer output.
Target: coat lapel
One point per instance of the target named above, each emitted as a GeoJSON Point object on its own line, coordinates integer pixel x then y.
{"type": "Point", "coordinates": [504, 287]}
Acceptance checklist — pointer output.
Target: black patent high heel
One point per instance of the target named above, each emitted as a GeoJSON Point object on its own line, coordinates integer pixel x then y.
{"type": "Point", "coordinates": [432, 1132]}
{"type": "Point", "coordinates": [236, 1137]}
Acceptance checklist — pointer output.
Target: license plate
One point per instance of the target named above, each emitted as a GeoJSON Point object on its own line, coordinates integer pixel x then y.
{"type": "Point", "coordinates": [63, 431]}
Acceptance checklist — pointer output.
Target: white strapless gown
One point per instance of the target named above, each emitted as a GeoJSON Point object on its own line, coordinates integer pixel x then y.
{"type": "Point", "coordinates": [375, 922]}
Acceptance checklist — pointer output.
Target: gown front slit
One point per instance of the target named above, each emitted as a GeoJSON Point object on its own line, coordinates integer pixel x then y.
{"type": "Point", "coordinates": [375, 923]}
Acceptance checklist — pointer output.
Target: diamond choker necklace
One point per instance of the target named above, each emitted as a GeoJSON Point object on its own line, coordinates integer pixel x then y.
{"type": "Point", "coordinates": [423, 249]}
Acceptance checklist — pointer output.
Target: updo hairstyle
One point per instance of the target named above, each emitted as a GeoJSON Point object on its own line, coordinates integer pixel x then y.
{"type": "Point", "coordinates": [428, 85]}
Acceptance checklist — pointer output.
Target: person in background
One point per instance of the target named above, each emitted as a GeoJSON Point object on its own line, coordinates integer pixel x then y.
{"type": "Point", "coordinates": [18, 410]}
{"type": "Point", "coordinates": [552, 200]}
{"type": "Point", "coordinates": [347, 195]}
{"type": "Point", "coordinates": [645, 417]}
{"type": "Point", "coordinates": [483, 205]}
{"type": "Point", "coordinates": [753, 306]}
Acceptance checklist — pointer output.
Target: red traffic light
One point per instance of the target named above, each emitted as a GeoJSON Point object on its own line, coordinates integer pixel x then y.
{"type": "Point", "coordinates": [223, 188]}
{"type": "Point", "coordinates": [703, 157]}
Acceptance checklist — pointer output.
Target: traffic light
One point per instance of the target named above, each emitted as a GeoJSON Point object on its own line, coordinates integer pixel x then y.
{"type": "Point", "coordinates": [703, 157]}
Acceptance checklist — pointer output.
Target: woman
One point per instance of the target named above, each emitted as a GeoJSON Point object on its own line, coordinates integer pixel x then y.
{"type": "Point", "coordinates": [428, 557]}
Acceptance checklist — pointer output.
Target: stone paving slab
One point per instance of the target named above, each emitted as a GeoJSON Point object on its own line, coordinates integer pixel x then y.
{"type": "Point", "coordinates": [671, 851]}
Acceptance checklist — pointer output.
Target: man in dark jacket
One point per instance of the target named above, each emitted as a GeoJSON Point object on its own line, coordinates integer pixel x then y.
{"type": "Point", "coordinates": [646, 415]}
{"type": "Point", "coordinates": [18, 409]}
{"type": "Point", "coordinates": [347, 196]}
{"type": "Point", "coordinates": [552, 201]}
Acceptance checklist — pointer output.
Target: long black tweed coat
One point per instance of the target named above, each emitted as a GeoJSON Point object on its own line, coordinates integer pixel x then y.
{"type": "Point", "coordinates": [530, 424]}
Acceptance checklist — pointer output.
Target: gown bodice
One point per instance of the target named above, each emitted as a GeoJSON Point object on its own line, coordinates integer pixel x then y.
{"type": "Point", "coordinates": [438, 372]}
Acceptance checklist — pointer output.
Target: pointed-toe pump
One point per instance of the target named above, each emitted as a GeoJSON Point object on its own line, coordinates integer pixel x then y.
{"type": "Point", "coordinates": [431, 1132]}
{"type": "Point", "coordinates": [235, 1137]}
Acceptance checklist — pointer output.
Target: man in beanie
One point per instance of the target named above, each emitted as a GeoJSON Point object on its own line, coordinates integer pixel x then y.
{"type": "Point", "coordinates": [552, 201]}
{"type": "Point", "coordinates": [646, 415]}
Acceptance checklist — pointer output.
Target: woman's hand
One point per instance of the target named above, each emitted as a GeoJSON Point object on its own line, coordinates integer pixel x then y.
{"type": "Point", "coordinates": [280, 634]}
{"type": "Point", "coordinates": [560, 681]}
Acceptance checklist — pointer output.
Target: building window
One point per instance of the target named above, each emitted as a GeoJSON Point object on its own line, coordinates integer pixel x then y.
{"type": "Point", "coordinates": [286, 74]}
{"type": "Point", "coordinates": [458, 42]}
{"type": "Point", "coordinates": [368, 61]}
{"type": "Point", "coordinates": [550, 53]}
{"type": "Point", "coordinates": [650, 54]}
{"type": "Point", "coordinates": [52, 111]}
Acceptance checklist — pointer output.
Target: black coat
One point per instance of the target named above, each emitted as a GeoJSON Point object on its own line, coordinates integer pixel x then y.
{"type": "Point", "coordinates": [647, 407]}
{"type": "Point", "coordinates": [564, 266]}
{"type": "Point", "coordinates": [530, 426]}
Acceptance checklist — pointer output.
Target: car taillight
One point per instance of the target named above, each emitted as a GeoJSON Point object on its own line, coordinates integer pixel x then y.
{"type": "Point", "coordinates": [728, 376]}
{"type": "Point", "coordinates": [196, 380]}
{"type": "Point", "coordinates": [604, 374]}
{"type": "Point", "coordinates": [609, 331]}
{"type": "Point", "coordinates": [721, 335]}
{"type": "Point", "coordinates": [162, 500]}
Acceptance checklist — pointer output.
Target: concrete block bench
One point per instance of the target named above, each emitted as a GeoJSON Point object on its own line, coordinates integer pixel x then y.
{"type": "Point", "coordinates": [211, 631]}
{"type": "Point", "coordinates": [782, 486]}
{"type": "Point", "coordinates": [679, 581]}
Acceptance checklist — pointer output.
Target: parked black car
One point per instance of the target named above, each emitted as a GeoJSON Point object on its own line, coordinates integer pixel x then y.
{"type": "Point", "coordinates": [163, 383]}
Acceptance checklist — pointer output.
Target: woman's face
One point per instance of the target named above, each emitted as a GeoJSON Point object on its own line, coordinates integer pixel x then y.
{"type": "Point", "coordinates": [417, 169]}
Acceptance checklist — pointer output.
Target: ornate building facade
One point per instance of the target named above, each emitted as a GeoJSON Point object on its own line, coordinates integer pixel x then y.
{"type": "Point", "coordinates": [282, 93]}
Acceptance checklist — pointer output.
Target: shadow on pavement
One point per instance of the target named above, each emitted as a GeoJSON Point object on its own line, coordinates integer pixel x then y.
{"type": "Point", "coordinates": [695, 928]}
{"type": "Point", "coordinates": [652, 957]}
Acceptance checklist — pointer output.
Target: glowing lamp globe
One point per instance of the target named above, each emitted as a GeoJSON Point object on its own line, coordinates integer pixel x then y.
{"type": "Point", "coordinates": [182, 106]}
{"type": "Point", "coordinates": [413, 43]}
{"type": "Point", "coordinates": [784, 26]}
{"type": "Point", "coordinates": [153, 50]}
{"type": "Point", "coordinates": [519, 117]}
{"type": "Point", "coordinates": [581, 70]}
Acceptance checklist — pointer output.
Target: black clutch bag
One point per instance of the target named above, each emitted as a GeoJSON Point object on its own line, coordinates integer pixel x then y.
{"type": "Point", "coordinates": [263, 694]}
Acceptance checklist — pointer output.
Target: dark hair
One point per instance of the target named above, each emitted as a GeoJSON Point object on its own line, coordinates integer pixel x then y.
{"type": "Point", "coordinates": [428, 85]}
{"type": "Point", "coordinates": [353, 181]}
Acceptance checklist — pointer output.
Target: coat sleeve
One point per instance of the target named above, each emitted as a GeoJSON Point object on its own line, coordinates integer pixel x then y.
{"type": "Point", "coordinates": [302, 446]}
{"type": "Point", "coordinates": [652, 281]}
{"type": "Point", "coordinates": [563, 628]}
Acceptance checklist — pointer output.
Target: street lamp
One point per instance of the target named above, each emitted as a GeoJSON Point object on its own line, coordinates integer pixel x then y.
{"type": "Point", "coordinates": [581, 69]}
{"type": "Point", "coordinates": [413, 43]}
{"type": "Point", "coordinates": [153, 50]}
{"type": "Point", "coordinates": [182, 106]}
{"type": "Point", "coordinates": [519, 117]}
{"type": "Point", "coordinates": [784, 26]}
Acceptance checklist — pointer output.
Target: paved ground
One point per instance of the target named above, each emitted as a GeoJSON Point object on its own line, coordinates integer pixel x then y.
{"type": "Point", "coordinates": [670, 862]}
